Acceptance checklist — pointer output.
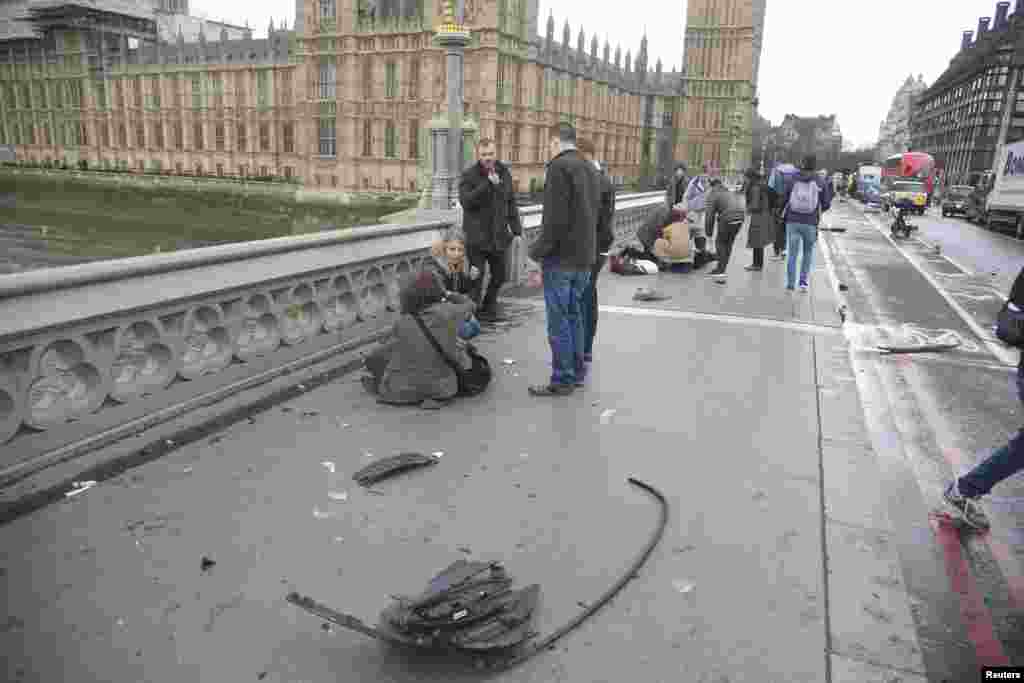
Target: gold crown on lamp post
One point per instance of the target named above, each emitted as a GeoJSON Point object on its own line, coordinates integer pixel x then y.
{"type": "Point", "coordinates": [449, 25]}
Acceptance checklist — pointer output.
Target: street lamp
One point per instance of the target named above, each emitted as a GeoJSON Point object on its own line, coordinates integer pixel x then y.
{"type": "Point", "coordinates": [736, 126]}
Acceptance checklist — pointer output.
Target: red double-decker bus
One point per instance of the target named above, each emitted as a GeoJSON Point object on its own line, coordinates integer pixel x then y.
{"type": "Point", "coordinates": [917, 166]}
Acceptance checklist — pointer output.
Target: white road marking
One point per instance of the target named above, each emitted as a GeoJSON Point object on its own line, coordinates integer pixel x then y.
{"type": "Point", "coordinates": [1004, 355]}
{"type": "Point", "coordinates": [795, 325]}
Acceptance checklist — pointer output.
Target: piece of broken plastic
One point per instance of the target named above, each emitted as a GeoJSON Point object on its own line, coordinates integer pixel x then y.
{"type": "Point", "coordinates": [320, 514]}
{"type": "Point", "coordinates": [329, 465]}
{"type": "Point", "coordinates": [394, 464]}
{"type": "Point", "coordinates": [338, 495]}
{"type": "Point", "coordinates": [509, 361]}
{"type": "Point", "coordinates": [683, 586]}
{"type": "Point", "coordinates": [606, 415]}
{"type": "Point", "coordinates": [80, 486]}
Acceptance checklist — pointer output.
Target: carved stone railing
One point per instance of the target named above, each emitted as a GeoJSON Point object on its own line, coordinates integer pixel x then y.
{"type": "Point", "coordinates": [87, 351]}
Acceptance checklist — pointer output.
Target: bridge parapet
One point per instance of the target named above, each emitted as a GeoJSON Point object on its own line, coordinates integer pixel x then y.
{"type": "Point", "coordinates": [90, 352]}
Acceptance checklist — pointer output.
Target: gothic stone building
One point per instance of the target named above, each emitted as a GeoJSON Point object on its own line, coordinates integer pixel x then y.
{"type": "Point", "coordinates": [343, 100]}
{"type": "Point", "coordinates": [977, 104]}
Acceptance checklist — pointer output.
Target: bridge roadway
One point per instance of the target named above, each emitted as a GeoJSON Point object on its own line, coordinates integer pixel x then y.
{"type": "Point", "coordinates": [791, 552]}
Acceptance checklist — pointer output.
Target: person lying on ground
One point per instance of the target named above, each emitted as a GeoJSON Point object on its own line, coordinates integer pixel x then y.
{"type": "Point", "coordinates": [410, 371]}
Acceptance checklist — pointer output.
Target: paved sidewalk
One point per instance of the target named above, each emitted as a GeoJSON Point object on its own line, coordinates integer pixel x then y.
{"type": "Point", "coordinates": [726, 415]}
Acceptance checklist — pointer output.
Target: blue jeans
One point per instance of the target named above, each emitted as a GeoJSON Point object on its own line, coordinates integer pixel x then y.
{"type": "Point", "coordinates": [797, 233]}
{"type": "Point", "coordinates": [1004, 463]}
{"type": "Point", "coordinates": [563, 299]}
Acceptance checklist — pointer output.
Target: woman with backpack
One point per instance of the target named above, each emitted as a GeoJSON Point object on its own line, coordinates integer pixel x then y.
{"type": "Point", "coordinates": [805, 200]}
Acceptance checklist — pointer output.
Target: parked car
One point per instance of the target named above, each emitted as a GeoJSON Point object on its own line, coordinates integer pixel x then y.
{"type": "Point", "coordinates": [910, 195]}
{"type": "Point", "coordinates": [955, 200]}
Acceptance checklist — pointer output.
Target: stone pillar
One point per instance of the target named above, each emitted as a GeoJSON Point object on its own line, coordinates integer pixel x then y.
{"type": "Point", "coordinates": [447, 166]}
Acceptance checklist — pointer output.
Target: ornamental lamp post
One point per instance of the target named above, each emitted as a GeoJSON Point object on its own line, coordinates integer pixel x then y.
{"type": "Point", "coordinates": [446, 149]}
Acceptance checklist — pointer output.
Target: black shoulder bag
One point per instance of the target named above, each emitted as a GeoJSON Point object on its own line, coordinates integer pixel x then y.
{"type": "Point", "coordinates": [472, 381]}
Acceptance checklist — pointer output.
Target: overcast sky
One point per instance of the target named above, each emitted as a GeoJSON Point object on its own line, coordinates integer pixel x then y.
{"type": "Point", "coordinates": [851, 57]}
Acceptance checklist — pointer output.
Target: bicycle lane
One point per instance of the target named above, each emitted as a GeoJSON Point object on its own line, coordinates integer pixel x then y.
{"type": "Point", "coordinates": [926, 413]}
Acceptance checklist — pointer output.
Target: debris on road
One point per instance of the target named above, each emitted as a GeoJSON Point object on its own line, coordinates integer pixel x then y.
{"type": "Point", "coordinates": [843, 287]}
{"type": "Point", "coordinates": [509, 361]}
{"type": "Point", "coordinates": [320, 514]}
{"type": "Point", "coordinates": [684, 586]}
{"type": "Point", "coordinates": [471, 606]}
{"type": "Point", "coordinates": [606, 415]}
{"type": "Point", "coordinates": [187, 469]}
{"type": "Point", "coordinates": [206, 564]}
{"type": "Point", "coordinates": [329, 465]}
{"type": "Point", "coordinates": [649, 294]}
{"type": "Point", "coordinates": [394, 464]}
{"type": "Point", "coordinates": [309, 413]}
{"type": "Point", "coordinates": [340, 496]}
{"type": "Point", "coordinates": [78, 487]}
{"type": "Point", "coordinates": [438, 454]}
{"type": "Point", "coordinates": [918, 348]}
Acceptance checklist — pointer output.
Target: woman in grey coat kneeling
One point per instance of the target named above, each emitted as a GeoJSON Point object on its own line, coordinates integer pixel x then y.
{"type": "Point", "coordinates": [409, 370]}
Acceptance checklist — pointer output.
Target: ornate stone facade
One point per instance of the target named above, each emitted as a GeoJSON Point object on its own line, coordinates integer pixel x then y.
{"type": "Point", "coordinates": [722, 57]}
{"type": "Point", "coordinates": [894, 131]}
{"type": "Point", "coordinates": [341, 102]}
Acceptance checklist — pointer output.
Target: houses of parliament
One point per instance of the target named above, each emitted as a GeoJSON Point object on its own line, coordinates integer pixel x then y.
{"type": "Point", "coordinates": [343, 99]}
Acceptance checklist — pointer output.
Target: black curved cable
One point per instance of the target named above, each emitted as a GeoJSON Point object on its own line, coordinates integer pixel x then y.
{"type": "Point", "coordinates": [536, 648]}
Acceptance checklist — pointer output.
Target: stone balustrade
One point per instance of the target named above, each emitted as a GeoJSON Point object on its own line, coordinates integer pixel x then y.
{"type": "Point", "coordinates": [87, 351]}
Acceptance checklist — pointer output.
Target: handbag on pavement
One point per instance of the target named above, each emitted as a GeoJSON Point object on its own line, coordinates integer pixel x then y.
{"type": "Point", "coordinates": [472, 381]}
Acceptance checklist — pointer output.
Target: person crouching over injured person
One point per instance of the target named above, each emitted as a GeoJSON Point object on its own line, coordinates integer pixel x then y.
{"type": "Point", "coordinates": [729, 209]}
{"type": "Point", "coordinates": [665, 237]}
{"type": "Point", "coordinates": [409, 370]}
{"type": "Point", "coordinates": [449, 263]}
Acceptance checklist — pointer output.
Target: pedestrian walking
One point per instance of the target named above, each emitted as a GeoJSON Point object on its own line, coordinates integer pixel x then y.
{"type": "Point", "coordinates": [490, 220]}
{"type": "Point", "coordinates": [729, 209]}
{"type": "Point", "coordinates": [605, 239]}
{"type": "Point", "coordinates": [804, 202]}
{"type": "Point", "coordinates": [760, 213]}
{"type": "Point", "coordinates": [963, 494]}
{"type": "Point", "coordinates": [780, 180]}
{"type": "Point", "coordinates": [566, 249]}
{"type": "Point", "coordinates": [696, 199]}
{"type": "Point", "coordinates": [675, 193]}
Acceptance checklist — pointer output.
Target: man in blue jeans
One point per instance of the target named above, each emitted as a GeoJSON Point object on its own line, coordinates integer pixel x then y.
{"type": "Point", "coordinates": [963, 493]}
{"type": "Point", "coordinates": [566, 249]}
{"type": "Point", "coordinates": [806, 198]}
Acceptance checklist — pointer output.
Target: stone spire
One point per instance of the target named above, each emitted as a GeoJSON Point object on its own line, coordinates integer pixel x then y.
{"type": "Point", "coordinates": [566, 34]}
{"type": "Point", "coordinates": [618, 56]}
{"type": "Point", "coordinates": [581, 45]}
{"type": "Point", "coordinates": [593, 48]}
{"type": "Point", "coordinates": [549, 38]}
{"type": "Point", "coordinates": [641, 58]}
{"type": "Point", "coordinates": [270, 28]}
{"type": "Point", "coordinates": [607, 51]}
{"type": "Point", "coordinates": [628, 60]}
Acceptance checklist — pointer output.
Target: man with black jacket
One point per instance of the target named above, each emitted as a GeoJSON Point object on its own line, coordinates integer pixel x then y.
{"type": "Point", "coordinates": [566, 248]}
{"type": "Point", "coordinates": [605, 238]}
{"type": "Point", "coordinates": [490, 219]}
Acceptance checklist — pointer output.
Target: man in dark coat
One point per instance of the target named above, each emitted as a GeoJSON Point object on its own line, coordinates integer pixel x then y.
{"type": "Point", "coordinates": [566, 249]}
{"type": "Point", "coordinates": [675, 193]}
{"type": "Point", "coordinates": [605, 239]}
{"type": "Point", "coordinates": [490, 219]}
